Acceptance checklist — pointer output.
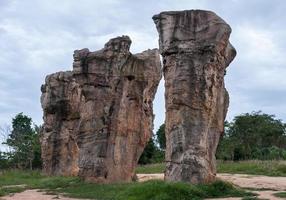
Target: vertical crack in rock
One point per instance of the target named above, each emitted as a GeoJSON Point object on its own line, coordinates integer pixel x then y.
{"type": "Point", "coordinates": [99, 117]}
{"type": "Point", "coordinates": [196, 51]}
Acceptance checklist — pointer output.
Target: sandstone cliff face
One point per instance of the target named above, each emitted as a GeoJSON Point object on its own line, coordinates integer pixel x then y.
{"type": "Point", "coordinates": [196, 51]}
{"type": "Point", "coordinates": [99, 117]}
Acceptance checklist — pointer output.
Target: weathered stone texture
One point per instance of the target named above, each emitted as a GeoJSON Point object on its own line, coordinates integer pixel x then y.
{"type": "Point", "coordinates": [196, 51]}
{"type": "Point", "coordinates": [98, 118]}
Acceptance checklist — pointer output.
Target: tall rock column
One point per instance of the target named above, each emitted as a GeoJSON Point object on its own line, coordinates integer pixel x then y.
{"type": "Point", "coordinates": [196, 51]}
{"type": "Point", "coordinates": [99, 117]}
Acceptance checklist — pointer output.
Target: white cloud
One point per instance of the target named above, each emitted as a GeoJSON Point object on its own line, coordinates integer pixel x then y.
{"type": "Point", "coordinates": [38, 37]}
{"type": "Point", "coordinates": [260, 61]}
{"type": "Point", "coordinates": [159, 106]}
{"type": "Point", "coordinates": [255, 79]}
{"type": "Point", "coordinates": [257, 45]}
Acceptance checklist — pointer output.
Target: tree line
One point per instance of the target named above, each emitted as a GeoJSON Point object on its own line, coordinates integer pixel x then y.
{"type": "Point", "coordinates": [254, 135]}
{"type": "Point", "coordinates": [249, 136]}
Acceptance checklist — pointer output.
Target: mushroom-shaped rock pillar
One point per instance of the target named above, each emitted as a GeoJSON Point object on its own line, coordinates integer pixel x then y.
{"type": "Point", "coordinates": [196, 51]}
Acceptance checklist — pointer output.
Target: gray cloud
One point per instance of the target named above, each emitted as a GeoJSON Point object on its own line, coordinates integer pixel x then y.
{"type": "Point", "coordinates": [38, 37]}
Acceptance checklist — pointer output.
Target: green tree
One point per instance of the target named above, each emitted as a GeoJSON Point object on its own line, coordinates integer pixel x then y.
{"type": "Point", "coordinates": [152, 152]}
{"type": "Point", "coordinates": [3, 160]}
{"type": "Point", "coordinates": [226, 146]}
{"type": "Point", "coordinates": [161, 138]}
{"type": "Point", "coordinates": [253, 136]}
{"type": "Point", "coordinates": [24, 141]}
{"type": "Point", "coordinates": [148, 153]}
{"type": "Point", "coordinates": [37, 161]}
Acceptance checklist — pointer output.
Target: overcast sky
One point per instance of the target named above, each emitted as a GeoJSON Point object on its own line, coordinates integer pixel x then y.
{"type": "Point", "coordinates": [38, 37]}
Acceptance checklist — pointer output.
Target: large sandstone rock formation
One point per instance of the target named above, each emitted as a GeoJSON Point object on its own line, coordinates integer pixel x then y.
{"type": "Point", "coordinates": [196, 51]}
{"type": "Point", "coordinates": [98, 117]}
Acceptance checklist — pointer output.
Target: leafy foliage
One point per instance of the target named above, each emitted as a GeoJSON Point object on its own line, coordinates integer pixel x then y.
{"type": "Point", "coordinates": [154, 151]}
{"type": "Point", "coordinates": [249, 136]}
{"type": "Point", "coordinates": [161, 138]}
{"type": "Point", "coordinates": [253, 136]}
{"type": "Point", "coordinates": [4, 161]}
{"type": "Point", "coordinates": [151, 154]}
{"type": "Point", "coordinates": [24, 143]}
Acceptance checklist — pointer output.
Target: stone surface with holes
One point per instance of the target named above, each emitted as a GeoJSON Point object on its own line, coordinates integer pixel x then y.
{"type": "Point", "coordinates": [98, 117]}
{"type": "Point", "coordinates": [196, 51]}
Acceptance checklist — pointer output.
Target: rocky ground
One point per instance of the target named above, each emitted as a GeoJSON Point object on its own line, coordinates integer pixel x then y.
{"type": "Point", "coordinates": [264, 186]}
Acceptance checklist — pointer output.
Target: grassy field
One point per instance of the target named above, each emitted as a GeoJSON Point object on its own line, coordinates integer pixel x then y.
{"type": "Point", "coordinates": [10, 190]}
{"type": "Point", "coordinates": [280, 194]}
{"type": "Point", "coordinates": [155, 190]}
{"type": "Point", "coordinates": [268, 168]}
{"type": "Point", "coordinates": [151, 168]}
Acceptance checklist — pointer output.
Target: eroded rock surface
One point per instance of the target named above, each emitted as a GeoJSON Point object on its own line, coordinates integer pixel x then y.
{"type": "Point", "coordinates": [98, 118]}
{"type": "Point", "coordinates": [196, 51]}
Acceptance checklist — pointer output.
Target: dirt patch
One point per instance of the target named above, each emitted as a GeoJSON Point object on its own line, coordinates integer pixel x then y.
{"type": "Point", "coordinates": [270, 185]}
{"type": "Point", "coordinates": [255, 181]}
{"type": "Point", "coordinates": [34, 195]}
{"type": "Point", "coordinates": [147, 177]}
{"type": "Point", "coordinates": [261, 195]}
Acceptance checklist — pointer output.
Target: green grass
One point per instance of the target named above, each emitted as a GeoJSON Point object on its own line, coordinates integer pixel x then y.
{"type": "Point", "coordinates": [254, 167]}
{"type": "Point", "coordinates": [31, 180]}
{"type": "Point", "coordinates": [150, 190]}
{"type": "Point", "coordinates": [17, 177]}
{"type": "Point", "coordinates": [252, 198]}
{"type": "Point", "coordinates": [151, 169]}
{"type": "Point", "coordinates": [153, 190]}
{"type": "Point", "coordinates": [34, 179]}
{"type": "Point", "coordinates": [10, 190]}
{"type": "Point", "coordinates": [280, 194]}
